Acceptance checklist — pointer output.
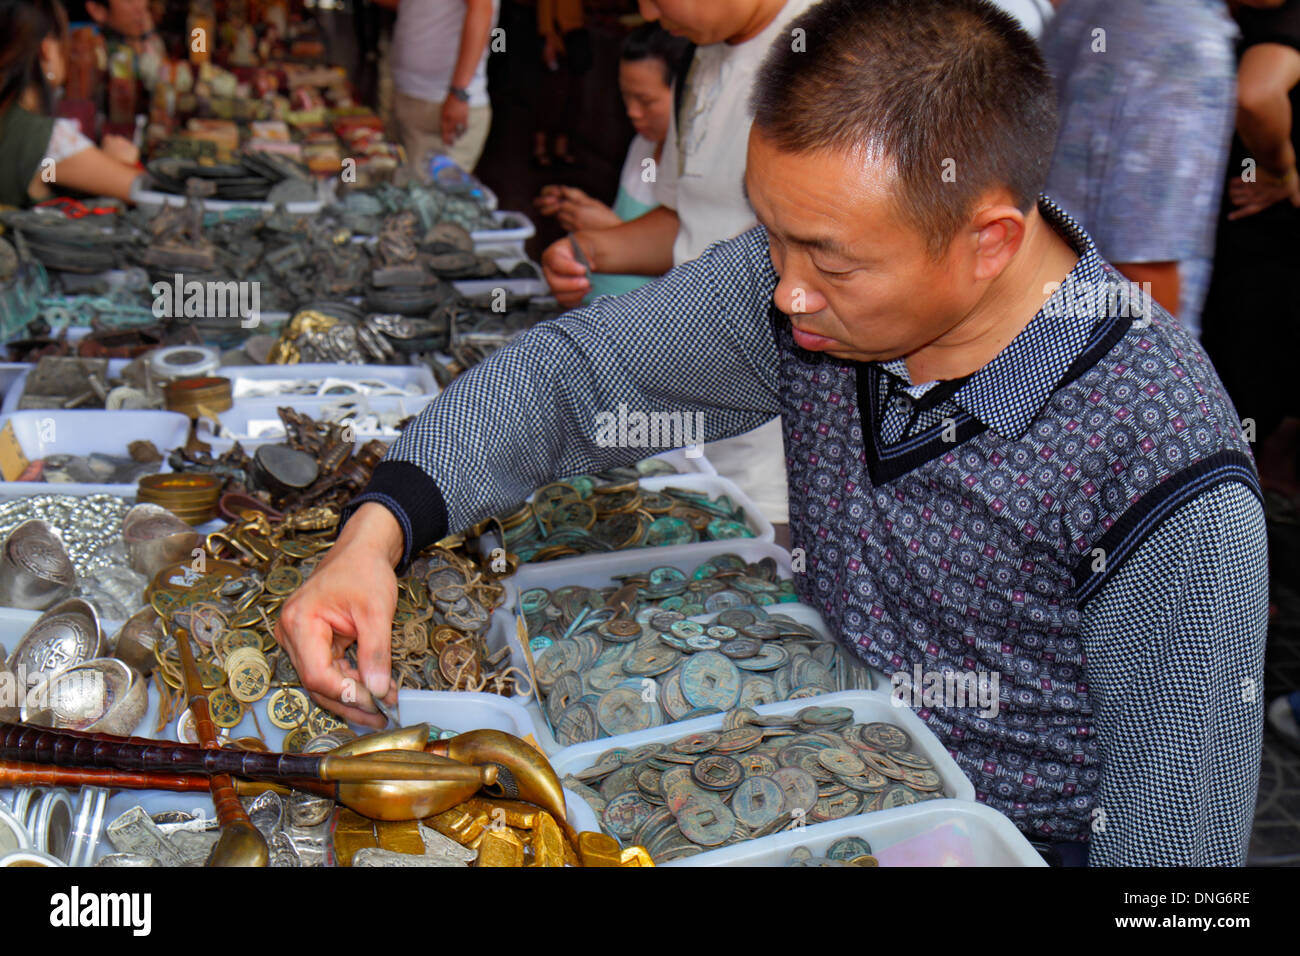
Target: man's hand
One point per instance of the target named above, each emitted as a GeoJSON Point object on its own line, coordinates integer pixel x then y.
{"type": "Point", "coordinates": [566, 276]}
{"type": "Point", "coordinates": [455, 119]}
{"type": "Point", "coordinates": [351, 596]}
{"type": "Point", "coordinates": [1250, 198]}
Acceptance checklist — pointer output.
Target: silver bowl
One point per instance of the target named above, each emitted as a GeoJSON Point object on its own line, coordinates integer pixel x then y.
{"type": "Point", "coordinates": [136, 640]}
{"type": "Point", "coordinates": [156, 538]}
{"type": "Point", "coordinates": [99, 696]}
{"type": "Point", "coordinates": [65, 635]}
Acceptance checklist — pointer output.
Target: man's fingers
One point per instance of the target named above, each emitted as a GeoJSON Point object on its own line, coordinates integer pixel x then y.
{"type": "Point", "coordinates": [312, 646]}
{"type": "Point", "coordinates": [374, 648]}
{"type": "Point", "coordinates": [349, 712]}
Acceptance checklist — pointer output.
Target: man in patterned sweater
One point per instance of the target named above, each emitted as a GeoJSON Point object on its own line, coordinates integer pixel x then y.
{"type": "Point", "coordinates": [1001, 461]}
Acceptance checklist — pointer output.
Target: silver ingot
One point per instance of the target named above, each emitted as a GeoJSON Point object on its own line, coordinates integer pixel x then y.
{"type": "Point", "coordinates": [156, 538]}
{"type": "Point", "coordinates": [87, 826]}
{"type": "Point", "coordinates": [13, 832]}
{"type": "Point", "coordinates": [266, 812]}
{"type": "Point", "coordinates": [308, 809]}
{"type": "Point", "coordinates": [103, 696]}
{"type": "Point", "coordinates": [65, 635]}
{"type": "Point", "coordinates": [35, 570]}
{"type": "Point", "coordinates": [136, 640]}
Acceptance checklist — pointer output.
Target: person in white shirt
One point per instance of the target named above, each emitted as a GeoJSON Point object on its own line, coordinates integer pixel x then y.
{"type": "Point", "coordinates": [439, 57]}
{"type": "Point", "coordinates": [698, 188]}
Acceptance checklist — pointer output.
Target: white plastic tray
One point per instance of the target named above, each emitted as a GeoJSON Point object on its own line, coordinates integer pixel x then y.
{"type": "Point", "coordinates": [450, 711]}
{"type": "Point", "coordinates": [52, 432]}
{"type": "Point", "coordinates": [514, 229]}
{"type": "Point", "coordinates": [16, 386]}
{"type": "Point", "coordinates": [401, 376]}
{"type": "Point", "coordinates": [153, 198]}
{"type": "Point", "coordinates": [599, 570]}
{"type": "Point", "coordinates": [866, 705]}
{"type": "Point", "coordinates": [993, 839]}
{"type": "Point", "coordinates": [546, 740]}
{"type": "Point", "coordinates": [237, 420]}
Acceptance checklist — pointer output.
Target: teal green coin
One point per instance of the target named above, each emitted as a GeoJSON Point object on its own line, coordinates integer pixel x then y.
{"type": "Point", "coordinates": [722, 529]}
{"type": "Point", "coordinates": [667, 530]}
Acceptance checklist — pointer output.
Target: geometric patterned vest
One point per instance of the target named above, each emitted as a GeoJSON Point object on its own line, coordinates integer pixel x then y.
{"type": "Point", "coordinates": [977, 554]}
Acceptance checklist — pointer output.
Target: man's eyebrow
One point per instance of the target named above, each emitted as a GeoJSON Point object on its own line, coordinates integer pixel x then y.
{"type": "Point", "coordinates": [818, 243]}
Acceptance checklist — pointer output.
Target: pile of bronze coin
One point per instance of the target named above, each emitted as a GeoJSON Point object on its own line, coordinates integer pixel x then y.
{"type": "Point", "coordinates": [610, 511]}
{"type": "Point", "coordinates": [759, 775]}
{"type": "Point", "coordinates": [231, 607]}
{"type": "Point", "coordinates": [718, 584]}
{"type": "Point", "coordinates": [603, 675]}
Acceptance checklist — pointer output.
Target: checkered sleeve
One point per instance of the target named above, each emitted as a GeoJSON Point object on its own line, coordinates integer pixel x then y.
{"type": "Point", "coordinates": [695, 350]}
{"type": "Point", "coordinates": [1175, 661]}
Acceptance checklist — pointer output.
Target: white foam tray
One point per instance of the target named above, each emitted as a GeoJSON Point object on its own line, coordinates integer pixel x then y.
{"type": "Point", "coordinates": [79, 432]}
{"type": "Point", "coordinates": [994, 840]}
{"type": "Point", "coordinates": [867, 706]}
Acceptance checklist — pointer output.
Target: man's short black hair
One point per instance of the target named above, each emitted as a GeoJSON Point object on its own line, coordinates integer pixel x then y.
{"type": "Point", "coordinates": [953, 92]}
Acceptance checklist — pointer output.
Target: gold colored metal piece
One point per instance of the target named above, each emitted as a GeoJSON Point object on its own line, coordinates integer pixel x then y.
{"type": "Point", "coordinates": [635, 856]}
{"type": "Point", "coordinates": [598, 849]}
{"type": "Point", "coordinates": [400, 836]}
{"type": "Point", "coordinates": [548, 842]}
{"type": "Point", "coordinates": [500, 847]}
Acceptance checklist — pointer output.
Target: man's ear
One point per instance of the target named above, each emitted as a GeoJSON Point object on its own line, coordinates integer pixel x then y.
{"type": "Point", "coordinates": [97, 12]}
{"type": "Point", "coordinates": [999, 229]}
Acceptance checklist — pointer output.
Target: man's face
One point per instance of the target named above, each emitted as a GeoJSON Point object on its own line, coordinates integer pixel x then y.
{"type": "Point", "coordinates": [701, 21]}
{"type": "Point", "coordinates": [131, 18]}
{"type": "Point", "coordinates": [857, 283]}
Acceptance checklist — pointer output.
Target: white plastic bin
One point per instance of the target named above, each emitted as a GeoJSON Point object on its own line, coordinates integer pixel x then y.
{"type": "Point", "coordinates": [801, 613]}
{"type": "Point", "coordinates": [259, 419]}
{"type": "Point", "coordinates": [153, 199]}
{"type": "Point", "coordinates": [19, 383]}
{"type": "Point", "coordinates": [989, 837]}
{"type": "Point", "coordinates": [50, 432]}
{"type": "Point", "coordinates": [399, 376]}
{"type": "Point", "coordinates": [867, 706]}
{"type": "Point", "coordinates": [513, 230]}
{"type": "Point", "coordinates": [450, 711]}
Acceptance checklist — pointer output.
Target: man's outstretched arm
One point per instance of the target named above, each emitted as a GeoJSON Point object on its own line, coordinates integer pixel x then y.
{"type": "Point", "coordinates": [1175, 668]}
{"type": "Point", "coordinates": [699, 343]}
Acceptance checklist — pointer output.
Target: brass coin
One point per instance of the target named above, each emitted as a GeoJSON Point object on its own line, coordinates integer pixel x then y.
{"type": "Point", "coordinates": [323, 722]}
{"type": "Point", "coordinates": [210, 675]}
{"type": "Point", "coordinates": [297, 739]}
{"type": "Point", "coordinates": [288, 708]}
{"type": "Point", "coordinates": [224, 709]}
{"type": "Point", "coordinates": [283, 580]}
